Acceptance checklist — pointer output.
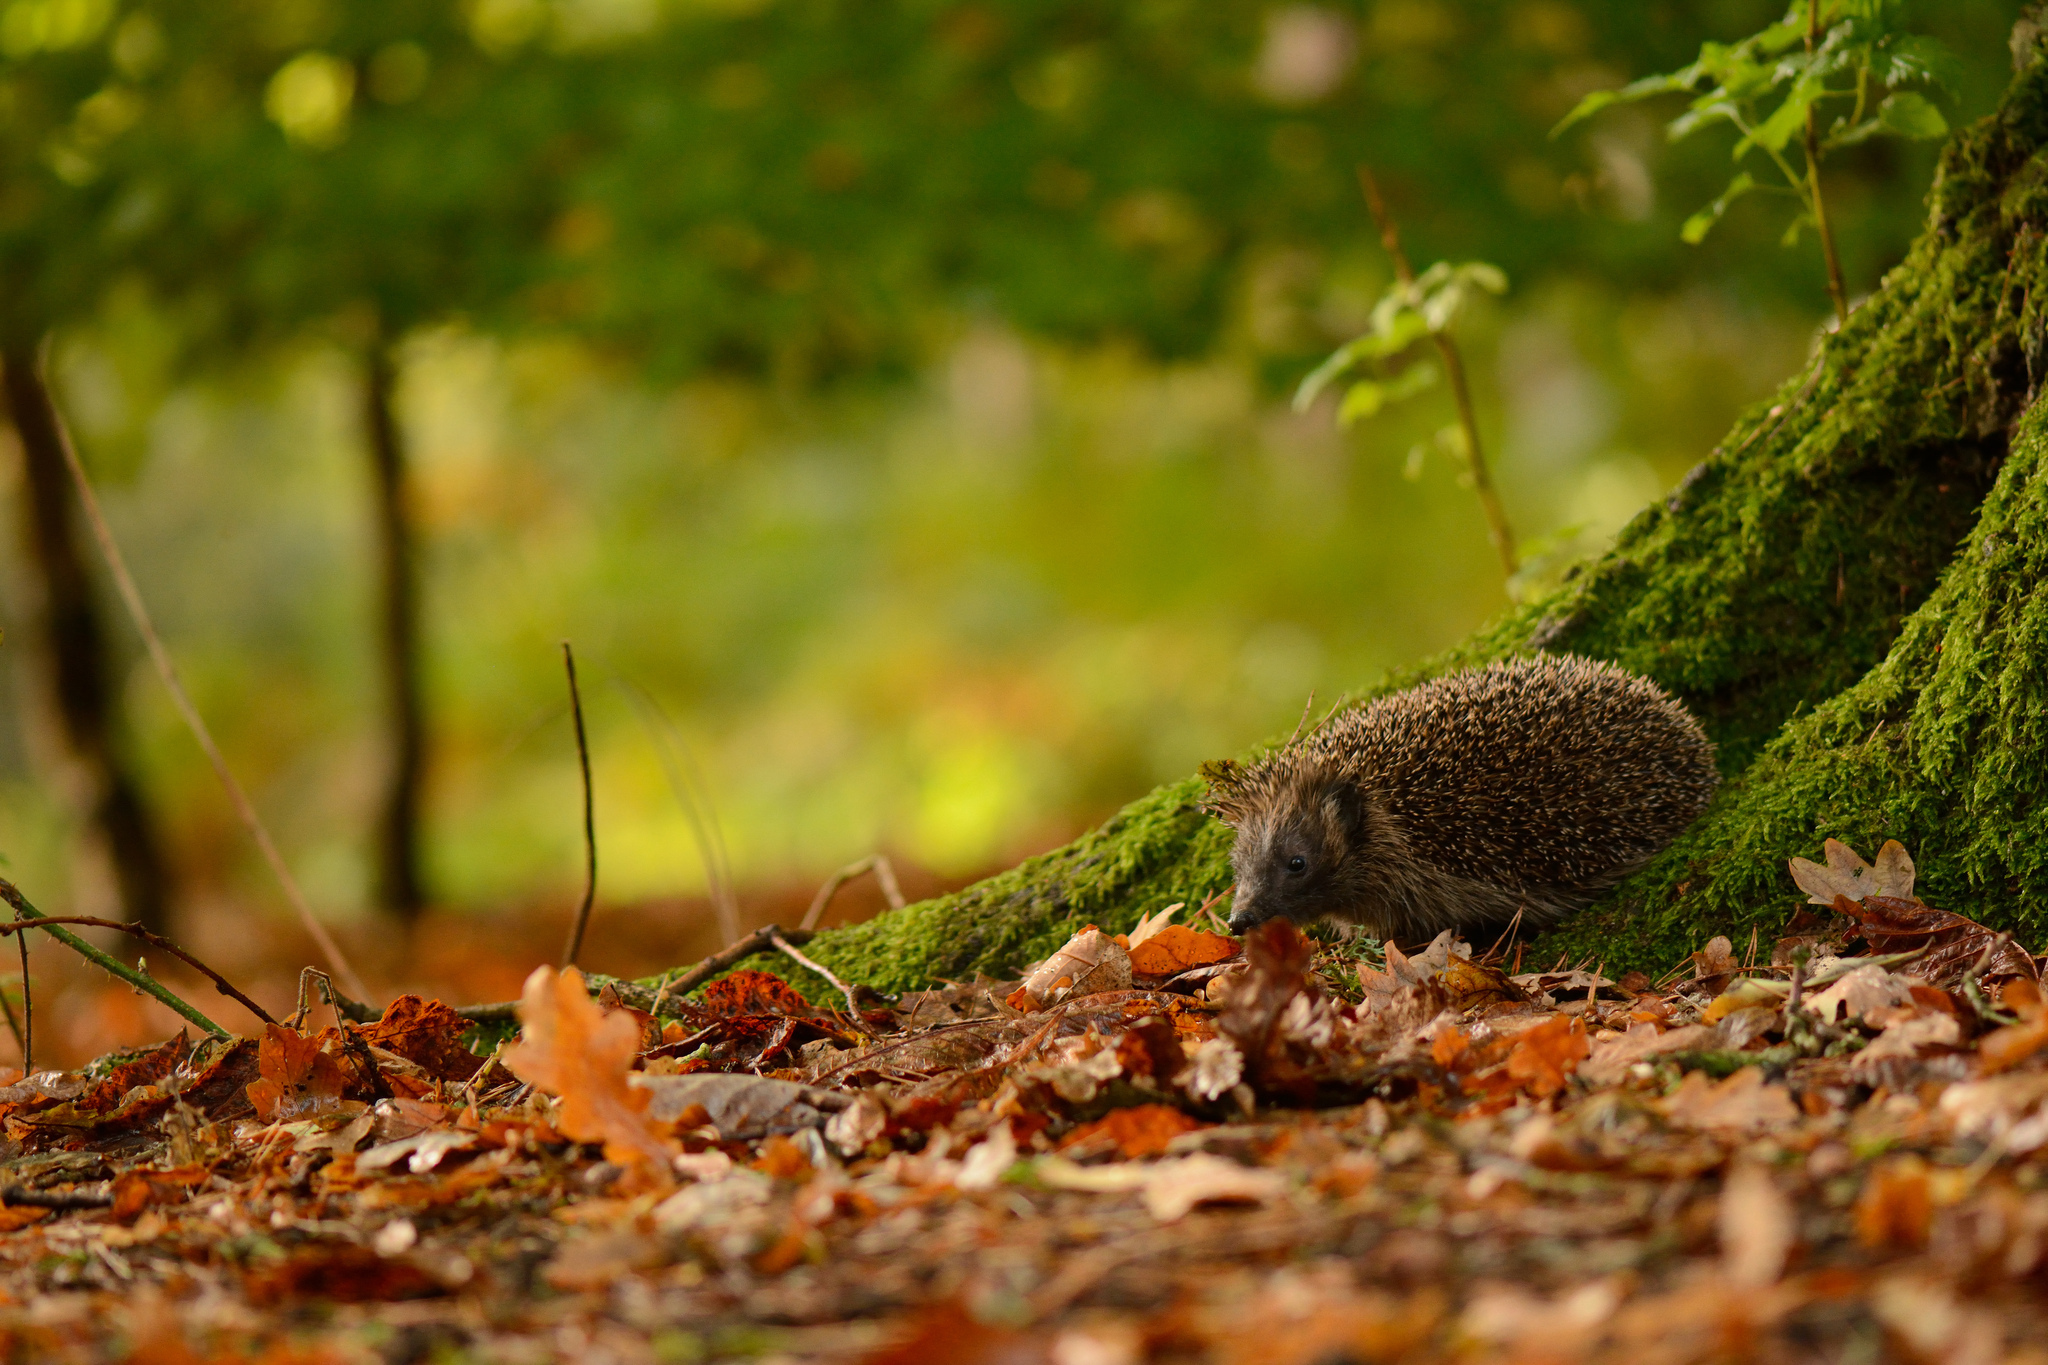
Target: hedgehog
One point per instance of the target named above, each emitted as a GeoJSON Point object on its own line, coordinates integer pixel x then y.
{"type": "Point", "coordinates": [1530, 787]}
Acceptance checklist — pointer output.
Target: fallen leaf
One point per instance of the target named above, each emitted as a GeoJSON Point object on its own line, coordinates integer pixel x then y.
{"type": "Point", "coordinates": [1149, 925]}
{"type": "Point", "coordinates": [569, 1047]}
{"type": "Point", "coordinates": [1896, 1205]}
{"type": "Point", "coordinates": [426, 1033]}
{"type": "Point", "coordinates": [1609, 1059]}
{"type": "Point", "coordinates": [1545, 1056]}
{"type": "Point", "coordinates": [296, 1077]}
{"type": "Point", "coordinates": [740, 1107]}
{"type": "Point", "coordinates": [1140, 1131]}
{"type": "Point", "coordinates": [1954, 943]}
{"type": "Point", "coordinates": [1088, 963]}
{"type": "Point", "coordinates": [1862, 991]}
{"type": "Point", "coordinates": [1741, 1103]}
{"type": "Point", "coordinates": [1757, 1226]}
{"type": "Point", "coordinates": [1176, 1187]}
{"type": "Point", "coordinates": [1177, 948]}
{"type": "Point", "coordinates": [1846, 874]}
{"type": "Point", "coordinates": [750, 992]}
{"type": "Point", "coordinates": [2004, 1048]}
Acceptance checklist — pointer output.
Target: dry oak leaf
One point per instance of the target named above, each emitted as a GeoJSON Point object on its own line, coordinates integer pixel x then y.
{"type": "Point", "coordinates": [1545, 1056]}
{"type": "Point", "coordinates": [1953, 942]}
{"type": "Point", "coordinates": [295, 1077]}
{"type": "Point", "coordinates": [1758, 1226]}
{"type": "Point", "coordinates": [2005, 1048]}
{"type": "Point", "coordinates": [569, 1047]}
{"type": "Point", "coordinates": [1140, 1131]}
{"type": "Point", "coordinates": [1089, 962]}
{"type": "Point", "coordinates": [1742, 1103]}
{"type": "Point", "coordinates": [1846, 874]}
{"type": "Point", "coordinates": [1176, 948]}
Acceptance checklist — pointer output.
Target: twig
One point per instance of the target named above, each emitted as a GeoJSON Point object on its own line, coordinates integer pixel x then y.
{"type": "Point", "coordinates": [1454, 371]}
{"type": "Point", "coordinates": [155, 940]}
{"type": "Point", "coordinates": [589, 818]}
{"type": "Point", "coordinates": [877, 863]}
{"type": "Point", "coordinates": [793, 955]}
{"type": "Point", "coordinates": [131, 596]}
{"type": "Point", "coordinates": [1507, 936]}
{"type": "Point", "coordinates": [14, 1025]}
{"type": "Point", "coordinates": [762, 940]}
{"type": "Point", "coordinates": [693, 795]}
{"type": "Point", "coordinates": [16, 1196]}
{"type": "Point", "coordinates": [25, 913]}
{"type": "Point", "coordinates": [1306, 707]}
{"type": "Point", "coordinates": [28, 1009]}
{"type": "Point", "coordinates": [1973, 989]}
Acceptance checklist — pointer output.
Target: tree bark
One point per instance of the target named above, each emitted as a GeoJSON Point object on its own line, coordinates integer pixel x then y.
{"type": "Point", "coordinates": [1851, 591]}
{"type": "Point", "coordinates": [400, 885]}
{"type": "Point", "coordinates": [75, 649]}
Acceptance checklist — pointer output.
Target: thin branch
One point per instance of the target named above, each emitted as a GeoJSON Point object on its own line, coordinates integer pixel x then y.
{"type": "Point", "coordinates": [91, 1197]}
{"type": "Point", "coordinates": [28, 1009]}
{"type": "Point", "coordinates": [131, 597]}
{"type": "Point", "coordinates": [762, 940]}
{"type": "Point", "coordinates": [27, 914]}
{"type": "Point", "coordinates": [793, 955]}
{"type": "Point", "coordinates": [589, 817]}
{"type": "Point", "coordinates": [1306, 707]}
{"type": "Point", "coordinates": [877, 863]}
{"type": "Point", "coordinates": [1454, 370]}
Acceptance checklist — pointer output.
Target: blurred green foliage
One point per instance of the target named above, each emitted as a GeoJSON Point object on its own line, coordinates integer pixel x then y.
{"type": "Point", "coordinates": [896, 389]}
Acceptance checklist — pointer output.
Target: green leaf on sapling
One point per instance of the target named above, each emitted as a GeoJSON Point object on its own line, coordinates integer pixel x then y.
{"type": "Point", "coordinates": [1911, 115]}
{"type": "Point", "coordinates": [1697, 227]}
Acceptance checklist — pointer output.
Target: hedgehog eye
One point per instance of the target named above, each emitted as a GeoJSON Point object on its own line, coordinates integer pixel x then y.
{"type": "Point", "coordinates": [1297, 864]}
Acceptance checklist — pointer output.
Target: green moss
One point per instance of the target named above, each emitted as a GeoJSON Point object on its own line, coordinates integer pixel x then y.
{"type": "Point", "coordinates": [1801, 591]}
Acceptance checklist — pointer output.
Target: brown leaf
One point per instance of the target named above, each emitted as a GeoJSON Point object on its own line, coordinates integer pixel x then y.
{"type": "Point", "coordinates": [2007, 1047]}
{"type": "Point", "coordinates": [1758, 1226]}
{"type": "Point", "coordinates": [1545, 1056]}
{"type": "Point", "coordinates": [1889, 925]}
{"type": "Point", "coordinates": [570, 1047]}
{"type": "Point", "coordinates": [1177, 948]}
{"type": "Point", "coordinates": [752, 992]}
{"type": "Point", "coordinates": [1846, 874]}
{"type": "Point", "coordinates": [1472, 985]}
{"type": "Point", "coordinates": [344, 1274]}
{"type": "Point", "coordinates": [297, 1077]}
{"type": "Point", "coordinates": [1278, 956]}
{"type": "Point", "coordinates": [1896, 1205]}
{"type": "Point", "coordinates": [136, 1190]}
{"type": "Point", "coordinates": [1140, 1131]}
{"type": "Point", "coordinates": [426, 1033]}
{"type": "Point", "coordinates": [1742, 1103]}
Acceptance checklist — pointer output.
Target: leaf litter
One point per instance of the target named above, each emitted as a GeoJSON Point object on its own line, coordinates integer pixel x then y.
{"type": "Point", "coordinates": [1166, 1147]}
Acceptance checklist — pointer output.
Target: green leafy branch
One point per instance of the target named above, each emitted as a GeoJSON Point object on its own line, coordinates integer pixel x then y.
{"type": "Point", "coordinates": [1847, 57]}
{"type": "Point", "coordinates": [1382, 367]}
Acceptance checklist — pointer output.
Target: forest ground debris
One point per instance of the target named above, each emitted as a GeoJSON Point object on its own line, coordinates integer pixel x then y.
{"type": "Point", "coordinates": [1280, 1150]}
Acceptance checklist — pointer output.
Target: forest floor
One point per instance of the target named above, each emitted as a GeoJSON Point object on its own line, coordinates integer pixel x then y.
{"type": "Point", "coordinates": [1162, 1147]}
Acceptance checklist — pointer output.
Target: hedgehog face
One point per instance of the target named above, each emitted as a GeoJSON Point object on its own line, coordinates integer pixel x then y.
{"type": "Point", "coordinates": [1290, 862]}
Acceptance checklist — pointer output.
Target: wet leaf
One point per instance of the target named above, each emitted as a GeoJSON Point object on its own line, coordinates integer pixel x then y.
{"type": "Point", "coordinates": [1953, 943]}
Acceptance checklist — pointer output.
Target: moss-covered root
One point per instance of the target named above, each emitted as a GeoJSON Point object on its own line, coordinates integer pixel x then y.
{"type": "Point", "coordinates": [1778, 575]}
{"type": "Point", "coordinates": [1943, 746]}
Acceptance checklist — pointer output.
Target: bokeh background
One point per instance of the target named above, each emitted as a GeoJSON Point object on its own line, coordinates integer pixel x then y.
{"type": "Point", "coordinates": [889, 400]}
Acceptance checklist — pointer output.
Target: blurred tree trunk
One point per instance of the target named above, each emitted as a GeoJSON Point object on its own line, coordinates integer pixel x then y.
{"type": "Point", "coordinates": [1851, 591]}
{"type": "Point", "coordinates": [75, 648]}
{"type": "Point", "coordinates": [400, 887]}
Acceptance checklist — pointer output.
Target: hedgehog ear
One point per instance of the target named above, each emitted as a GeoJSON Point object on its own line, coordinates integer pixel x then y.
{"type": "Point", "coordinates": [1225, 797]}
{"type": "Point", "coordinates": [1344, 808]}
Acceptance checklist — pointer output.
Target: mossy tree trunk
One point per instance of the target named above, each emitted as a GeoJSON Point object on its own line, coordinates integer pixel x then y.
{"type": "Point", "coordinates": [1851, 591]}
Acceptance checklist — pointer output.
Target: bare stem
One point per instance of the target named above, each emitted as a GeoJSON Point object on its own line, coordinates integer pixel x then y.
{"type": "Point", "coordinates": [589, 817]}
{"type": "Point", "coordinates": [793, 955]}
{"type": "Point", "coordinates": [885, 874]}
{"type": "Point", "coordinates": [1836, 291]}
{"type": "Point", "coordinates": [1497, 527]}
{"type": "Point", "coordinates": [27, 915]}
{"type": "Point", "coordinates": [131, 597]}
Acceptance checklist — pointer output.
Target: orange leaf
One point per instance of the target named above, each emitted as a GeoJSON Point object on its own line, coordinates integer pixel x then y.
{"type": "Point", "coordinates": [569, 1047]}
{"type": "Point", "coordinates": [1176, 948]}
{"type": "Point", "coordinates": [2013, 1044]}
{"type": "Point", "coordinates": [1547, 1054]}
{"type": "Point", "coordinates": [1140, 1131]}
{"type": "Point", "coordinates": [1896, 1205]}
{"type": "Point", "coordinates": [297, 1077]}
